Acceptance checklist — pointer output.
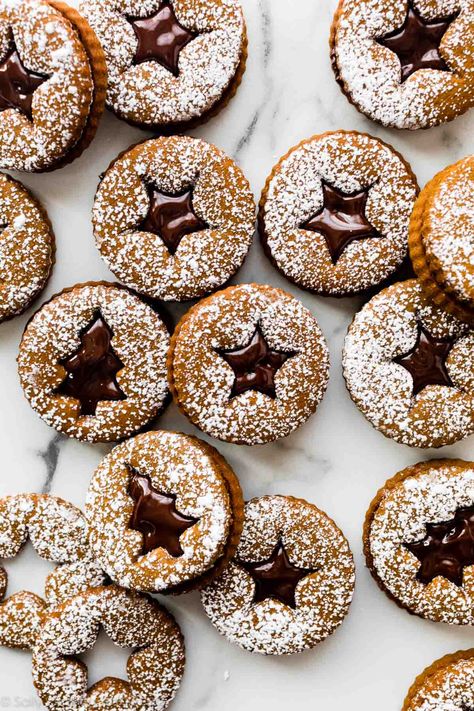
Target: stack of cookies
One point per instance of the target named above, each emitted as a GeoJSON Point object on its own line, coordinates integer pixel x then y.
{"type": "Point", "coordinates": [174, 218]}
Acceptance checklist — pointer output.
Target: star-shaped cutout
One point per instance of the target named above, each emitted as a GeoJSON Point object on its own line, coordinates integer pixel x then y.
{"type": "Point", "coordinates": [341, 220]}
{"type": "Point", "coordinates": [417, 42]}
{"type": "Point", "coordinates": [91, 370]}
{"type": "Point", "coordinates": [277, 577]}
{"type": "Point", "coordinates": [171, 217]}
{"type": "Point", "coordinates": [17, 83]}
{"type": "Point", "coordinates": [156, 517]}
{"type": "Point", "coordinates": [160, 38]}
{"type": "Point", "coordinates": [255, 365]}
{"type": "Point", "coordinates": [446, 549]}
{"type": "Point", "coordinates": [426, 361]}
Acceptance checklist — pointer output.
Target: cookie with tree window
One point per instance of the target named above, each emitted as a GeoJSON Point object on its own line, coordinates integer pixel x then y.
{"type": "Point", "coordinates": [92, 362]}
{"type": "Point", "coordinates": [172, 64]}
{"type": "Point", "coordinates": [290, 582]}
{"type": "Point", "coordinates": [447, 684]}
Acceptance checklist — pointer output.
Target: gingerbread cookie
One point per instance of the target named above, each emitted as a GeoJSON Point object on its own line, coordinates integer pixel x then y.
{"type": "Point", "coordinates": [174, 218]}
{"type": "Point", "coordinates": [446, 685]}
{"type": "Point", "coordinates": [249, 364]}
{"type": "Point", "coordinates": [334, 213]}
{"type": "Point", "coordinates": [290, 583]}
{"type": "Point", "coordinates": [172, 64]}
{"type": "Point", "coordinates": [442, 239]}
{"type": "Point", "coordinates": [419, 540]}
{"type": "Point", "coordinates": [405, 63]}
{"type": "Point", "coordinates": [154, 668]}
{"type": "Point", "coordinates": [92, 362]}
{"type": "Point", "coordinates": [165, 512]}
{"type": "Point", "coordinates": [408, 368]}
{"type": "Point", "coordinates": [52, 84]}
{"type": "Point", "coordinates": [27, 248]}
{"type": "Point", "coordinates": [58, 533]}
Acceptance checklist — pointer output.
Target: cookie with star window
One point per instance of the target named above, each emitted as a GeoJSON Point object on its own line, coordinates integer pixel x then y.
{"type": "Point", "coordinates": [248, 364]}
{"type": "Point", "coordinates": [165, 513]}
{"type": "Point", "coordinates": [174, 218]}
{"type": "Point", "coordinates": [290, 583]}
{"type": "Point", "coordinates": [447, 684]}
{"type": "Point", "coordinates": [419, 540]}
{"type": "Point", "coordinates": [172, 64]}
{"type": "Point", "coordinates": [335, 211]}
{"type": "Point", "coordinates": [52, 84]}
{"type": "Point", "coordinates": [408, 368]}
{"type": "Point", "coordinates": [442, 239]}
{"type": "Point", "coordinates": [92, 362]}
{"type": "Point", "coordinates": [405, 63]}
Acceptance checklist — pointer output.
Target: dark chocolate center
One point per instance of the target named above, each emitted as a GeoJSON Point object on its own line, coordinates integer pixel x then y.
{"type": "Point", "coordinates": [17, 83]}
{"type": "Point", "coordinates": [91, 370]}
{"type": "Point", "coordinates": [446, 549]}
{"type": "Point", "coordinates": [156, 517]}
{"type": "Point", "coordinates": [417, 42]}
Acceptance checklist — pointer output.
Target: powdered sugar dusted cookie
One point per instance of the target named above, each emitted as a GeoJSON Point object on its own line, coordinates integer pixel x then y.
{"type": "Point", "coordinates": [154, 668]}
{"type": "Point", "coordinates": [446, 685]}
{"type": "Point", "coordinates": [334, 213]}
{"type": "Point", "coordinates": [92, 362]}
{"type": "Point", "coordinates": [408, 367]}
{"type": "Point", "coordinates": [419, 540]}
{"type": "Point", "coordinates": [291, 580]}
{"type": "Point", "coordinates": [165, 512]}
{"type": "Point", "coordinates": [52, 85]}
{"type": "Point", "coordinates": [442, 239]}
{"type": "Point", "coordinates": [249, 364]}
{"type": "Point", "coordinates": [405, 63]}
{"type": "Point", "coordinates": [171, 63]}
{"type": "Point", "coordinates": [58, 533]}
{"type": "Point", "coordinates": [174, 218]}
{"type": "Point", "coordinates": [26, 247]}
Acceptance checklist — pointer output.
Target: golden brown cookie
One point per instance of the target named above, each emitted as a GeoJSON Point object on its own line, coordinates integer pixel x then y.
{"type": "Point", "coordinates": [446, 685]}
{"type": "Point", "coordinates": [165, 513]}
{"type": "Point", "coordinates": [442, 239]}
{"type": "Point", "coordinates": [27, 248]}
{"type": "Point", "coordinates": [334, 213]}
{"type": "Point", "coordinates": [92, 362]}
{"type": "Point", "coordinates": [172, 64]}
{"type": "Point", "coordinates": [154, 667]}
{"type": "Point", "coordinates": [408, 368]}
{"type": "Point", "coordinates": [58, 533]}
{"type": "Point", "coordinates": [249, 364]}
{"type": "Point", "coordinates": [52, 87]}
{"type": "Point", "coordinates": [419, 540]}
{"type": "Point", "coordinates": [174, 218]}
{"type": "Point", "coordinates": [290, 583]}
{"type": "Point", "coordinates": [405, 63]}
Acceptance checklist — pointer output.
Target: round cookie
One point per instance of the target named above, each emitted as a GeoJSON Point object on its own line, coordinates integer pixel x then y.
{"type": "Point", "coordinates": [52, 84]}
{"type": "Point", "coordinates": [27, 248]}
{"type": "Point", "coordinates": [248, 364]}
{"type": "Point", "coordinates": [290, 583]}
{"type": "Point", "coordinates": [405, 63]}
{"type": "Point", "coordinates": [408, 368]}
{"type": "Point", "coordinates": [442, 239]}
{"type": "Point", "coordinates": [334, 213]}
{"type": "Point", "coordinates": [174, 218]}
{"type": "Point", "coordinates": [446, 685]}
{"type": "Point", "coordinates": [165, 513]}
{"type": "Point", "coordinates": [419, 540]}
{"type": "Point", "coordinates": [154, 668]}
{"type": "Point", "coordinates": [172, 64]}
{"type": "Point", "coordinates": [92, 362]}
{"type": "Point", "coordinates": [58, 533]}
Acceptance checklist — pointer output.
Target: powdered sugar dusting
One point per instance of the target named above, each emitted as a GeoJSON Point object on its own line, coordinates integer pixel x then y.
{"type": "Point", "coordinates": [450, 688]}
{"type": "Point", "coordinates": [312, 540]}
{"type": "Point", "coordinates": [386, 328]}
{"type": "Point", "coordinates": [221, 198]}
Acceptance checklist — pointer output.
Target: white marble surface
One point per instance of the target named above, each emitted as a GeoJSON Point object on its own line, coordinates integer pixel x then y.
{"type": "Point", "coordinates": [336, 461]}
